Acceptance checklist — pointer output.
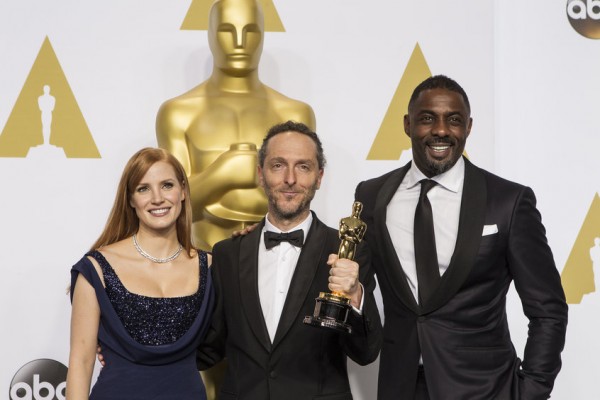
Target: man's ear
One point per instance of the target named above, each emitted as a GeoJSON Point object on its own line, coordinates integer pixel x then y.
{"type": "Point", "coordinates": [407, 125]}
{"type": "Point", "coordinates": [469, 125]}
{"type": "Point", "coordinates": [320, 178]}
{"type": "Point", "coordinates": [261, 180]}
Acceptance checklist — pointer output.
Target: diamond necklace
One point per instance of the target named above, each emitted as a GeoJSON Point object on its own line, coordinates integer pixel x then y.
{"type": "Point", "coordinates": [155, 259]}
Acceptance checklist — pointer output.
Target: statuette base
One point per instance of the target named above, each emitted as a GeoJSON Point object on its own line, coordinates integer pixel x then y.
{"type": "Point", "coordinates": [331, 311]}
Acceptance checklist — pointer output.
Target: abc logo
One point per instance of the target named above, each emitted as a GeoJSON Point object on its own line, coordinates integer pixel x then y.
{"type": "Point", "coordinates": [584, 16]}
{"type": "Point", "coordinates": [39, 380]}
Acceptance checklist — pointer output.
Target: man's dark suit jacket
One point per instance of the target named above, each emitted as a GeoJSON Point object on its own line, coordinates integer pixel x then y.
{"type": "Point", "coordinates": [462, 332]}
{"type": "Point", "coordinates": [303, 362]}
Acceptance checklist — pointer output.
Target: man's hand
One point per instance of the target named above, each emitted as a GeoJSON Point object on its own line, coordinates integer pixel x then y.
{"type": "Point", "coordinates": [100, 356]}
{"type": "Point", "coordinates": [245, 231]}
{"type": "Point", "coordinates": [343, 278]}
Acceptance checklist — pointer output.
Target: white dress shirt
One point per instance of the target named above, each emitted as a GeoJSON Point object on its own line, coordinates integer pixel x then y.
{"type": "Point", "coordinates": [445, 198]}
{"type": "Point", "coordinates": [276, 267]}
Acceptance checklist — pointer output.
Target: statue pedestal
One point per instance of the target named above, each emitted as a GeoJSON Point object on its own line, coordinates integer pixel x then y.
{"type": "Point", "coordinates": [46, 151]}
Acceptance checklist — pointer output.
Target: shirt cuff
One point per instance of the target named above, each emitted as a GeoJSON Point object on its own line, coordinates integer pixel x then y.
{"type": "Point", "coordinates": [362, 300]}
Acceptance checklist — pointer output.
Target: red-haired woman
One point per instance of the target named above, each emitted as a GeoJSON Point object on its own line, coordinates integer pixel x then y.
{"type": "Point", "coordinates": [143, 291]}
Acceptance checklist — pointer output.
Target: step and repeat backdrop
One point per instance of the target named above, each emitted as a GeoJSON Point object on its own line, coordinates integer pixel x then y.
{"type": "Point", "coordinates": [81, 84]}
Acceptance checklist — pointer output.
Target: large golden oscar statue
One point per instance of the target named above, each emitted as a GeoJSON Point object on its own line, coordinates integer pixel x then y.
{"type": "Point", "coordinates": [216, 128]}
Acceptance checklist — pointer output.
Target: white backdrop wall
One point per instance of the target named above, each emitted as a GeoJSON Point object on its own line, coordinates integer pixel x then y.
{"type": "Point", "coordinates": [532, 81]}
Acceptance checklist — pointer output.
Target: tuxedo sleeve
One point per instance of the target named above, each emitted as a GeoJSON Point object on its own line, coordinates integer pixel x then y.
{"type": "Point", "coordinates": [365, 341]}
{"type": "Point", "coordinates": [212, 349]}
{"type": "Point", "coordinates": [537, 282]}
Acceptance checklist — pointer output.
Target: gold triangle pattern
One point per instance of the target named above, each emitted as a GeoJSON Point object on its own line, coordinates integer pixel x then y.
{"type": "Point", "coordinates": [46, 114]}
{"type": "Point", "coordinates": [391, 141]}
{"type": "Point", "coordinates": [578, 274]}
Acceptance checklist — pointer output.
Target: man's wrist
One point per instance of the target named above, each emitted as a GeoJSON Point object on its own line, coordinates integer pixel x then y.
{"type": "Point", "coordinates": [356, 300]}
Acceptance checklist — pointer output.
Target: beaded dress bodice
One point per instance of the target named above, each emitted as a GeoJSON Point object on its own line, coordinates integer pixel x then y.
{"type": "Point", "coordinates": [152, 320]}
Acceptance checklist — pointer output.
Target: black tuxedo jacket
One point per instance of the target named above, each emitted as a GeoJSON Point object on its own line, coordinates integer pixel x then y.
{"type": "Point", "coordinates": [462, 331]}
{"type": "Point", "coordinates": [303, 362]}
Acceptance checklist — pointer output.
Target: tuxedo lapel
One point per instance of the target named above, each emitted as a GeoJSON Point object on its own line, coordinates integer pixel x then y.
{"type": "Point", "coordinates": [304, 274]}
{"type": "Point", "coordinates": [470, 227]}
{"type": "Point", "coordinates": [391, 266]}
{"type": "Point", "coordinates": [248, 270]}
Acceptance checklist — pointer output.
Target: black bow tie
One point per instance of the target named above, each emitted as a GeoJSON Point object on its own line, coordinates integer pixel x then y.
{"type": "Point", "coordinates": [273, 239]}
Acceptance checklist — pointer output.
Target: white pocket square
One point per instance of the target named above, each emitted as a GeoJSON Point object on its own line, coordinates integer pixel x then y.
{"type": "Point", "coordinates": [489, 230]}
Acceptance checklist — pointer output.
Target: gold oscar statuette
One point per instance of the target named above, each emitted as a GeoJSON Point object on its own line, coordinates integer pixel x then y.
{"type": "Point", "coordinates": [332, 309]}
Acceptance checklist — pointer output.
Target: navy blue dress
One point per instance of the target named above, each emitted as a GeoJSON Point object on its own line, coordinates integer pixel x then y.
{"type": "Point", "coordinates": [149, 344]}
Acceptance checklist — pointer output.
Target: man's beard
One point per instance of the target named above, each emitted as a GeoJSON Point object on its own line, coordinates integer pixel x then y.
{"type": "Point", "coordinates": [290, 214]}
{"type": "Point", "coordinates": [437, 167]}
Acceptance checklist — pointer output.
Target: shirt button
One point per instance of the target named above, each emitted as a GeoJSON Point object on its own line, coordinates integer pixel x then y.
{"type": "Point", "coordinates": [421, 318]}
{"type": "Point", "coordinates": [273, 374]}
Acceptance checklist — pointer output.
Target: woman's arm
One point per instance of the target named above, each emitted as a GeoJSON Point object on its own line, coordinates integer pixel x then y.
{"type": "Point", "coordinates": [85, 318]}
